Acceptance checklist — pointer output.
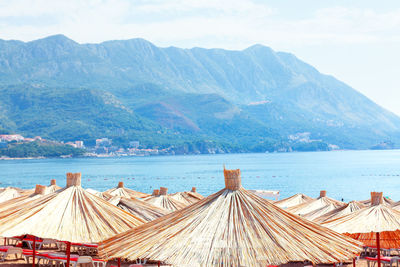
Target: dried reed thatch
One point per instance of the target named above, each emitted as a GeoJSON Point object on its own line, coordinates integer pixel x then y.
{"type": "Point", "coordinates": [195, 193]}
{"type": "Point", "coordinates": [396, 205]}
{"type": "Point", "coordinates": [53, 186]}
{"type": "Point", "coordinates": [307, 208]}
{"type": "Point", "coordinates": [318, 212]}
{"type": "Point", "coordinates": [102, 195]}
{"type": "Point", "coordinates": [8, 193]}
{"type": "Point", "coordinates": [163, 200]}
{"type": "Point", "coordinates": [188, 197]}
{"type": "Point", "coordinates": [364, 223]}
{"type": "Point", "coordinates": [386, 201]}
{"type": "Point", "coordinates": [26, 192]}
{"type": "Point", "coordinates": [376, 218]}
{"type": "Point", "coordinates": [351, 207]}
{"type": "Point", "coordinates": [139, 208]}
{"type": "Point", "coordinates": [15, 203]}
{"type": "Point", "coordinates": [232, 227]}
{"type": "Point", "coordinates": [122, 191]}
{"type": "Point", "coordinates": [70, 214]}
{"type": "Point", "coordinates": [294, 200]}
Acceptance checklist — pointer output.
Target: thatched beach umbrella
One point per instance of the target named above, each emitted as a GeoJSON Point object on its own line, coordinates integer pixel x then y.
{"type": "Point", "coordinates": [378, 220]}
{"type": "Point", "coordinates": [139, 208]}
{"type": "Point", "coordinates": [70, 214]}
{"type": "Point", "coordinates": [396, 205]}
{"type": "Point", "coordinates": [294, 200]}
{"type": "Point", "coordinates": [8, 193]}
{"type": "Point", "coordinates": [99, 194]}
{"type": "Point", "coordinates": [232, 227]}
{"type": "Point", "coordinates": [323, 202]}
{"type": "Point", "coordinates": [318, 212]}
{"type": "Point", "coordinates": [351, 207]}
{"type": "Point", "coordinates": [122, 191]}
{"type": "Point", "coordinates": [19, 202]}
{"type": "Point", "coordinates": [188, 197]}
{"type": "Point", "coordinates": [160, 198]}
{"type": "Point", "coordinates": [386, 201]}
{"type": "Point", "coordinates": [53, 186]}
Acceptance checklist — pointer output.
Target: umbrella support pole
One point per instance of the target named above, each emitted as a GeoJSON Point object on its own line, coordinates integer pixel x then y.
{"type": "Point", "coordinates": [68, 253]}
{"type": "Point", "coordinates": [354, 262]}
{"type": "Point", "coordinates": [119, 262]}
{"type": "Point", "coordinates": [158, 264]}
{"type": "Point", "coordinates": [378, 247]}
{"type": "Point", "coordinates": [34, 251]}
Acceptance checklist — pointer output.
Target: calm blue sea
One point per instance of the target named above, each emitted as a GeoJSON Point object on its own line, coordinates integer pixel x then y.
{"type": "Point", "coordinates": [344, 174]}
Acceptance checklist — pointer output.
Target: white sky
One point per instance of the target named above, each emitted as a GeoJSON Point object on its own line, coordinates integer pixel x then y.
{"type": "Point", "coordinates": [356, 41]}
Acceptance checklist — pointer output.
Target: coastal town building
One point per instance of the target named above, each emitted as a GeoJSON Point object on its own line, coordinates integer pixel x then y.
{"type": "Point", "coordinates": [134, 144]}
{"type": "Point", "coordinates": [103, 142]}
{"type": "Point", "coordinates": [102, 148]}
{"type": "Point", "coordinates": [76, 144]}
{"type": "Point", "coordinates": [11, 137]}
{"type": "Point", "coordinates": [3, 144]}
{"type": "Point", "coordinates": [79, 144]}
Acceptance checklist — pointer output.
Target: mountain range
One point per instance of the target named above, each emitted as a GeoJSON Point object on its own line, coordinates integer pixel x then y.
{"type": "Point", "coordinates": [193, 100]}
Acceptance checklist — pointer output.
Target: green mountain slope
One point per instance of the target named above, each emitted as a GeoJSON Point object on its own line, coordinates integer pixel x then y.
{"type": "Point", "coordinates": [251, 100]}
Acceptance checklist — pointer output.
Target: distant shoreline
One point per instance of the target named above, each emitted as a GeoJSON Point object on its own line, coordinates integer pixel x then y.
{"type": "Point", "coordinates": [138, 156]}
{"type": "Point", "coordinates": [7, 158]}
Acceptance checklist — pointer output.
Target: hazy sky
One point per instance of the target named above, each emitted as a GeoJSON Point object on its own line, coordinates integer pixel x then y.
{"type": "Point", "coordinates": [356, 41]}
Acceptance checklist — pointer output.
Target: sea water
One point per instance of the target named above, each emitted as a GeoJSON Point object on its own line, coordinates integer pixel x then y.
{"type": "Point", "coordinates": [345, 175]}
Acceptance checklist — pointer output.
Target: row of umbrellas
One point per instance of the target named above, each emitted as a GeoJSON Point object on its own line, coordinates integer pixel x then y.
{"type": "Point", "coordinates": [142, 205]}
{"type": "Point", "coordinates": [232, 227]}
{"type": "Point", "coordinates": [160, 199]}
{"type": "Point", "coordinates": [375, 222]}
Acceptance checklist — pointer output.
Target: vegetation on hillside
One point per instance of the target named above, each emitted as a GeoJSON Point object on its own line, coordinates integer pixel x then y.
{"type": "Point", "coordinates": [188, 100]}
{"type": "Point", "coordinates": [39, 149]}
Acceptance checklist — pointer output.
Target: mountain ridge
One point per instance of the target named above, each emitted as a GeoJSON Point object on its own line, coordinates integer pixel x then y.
{"type": "Point", "coordinates": [194, 94]}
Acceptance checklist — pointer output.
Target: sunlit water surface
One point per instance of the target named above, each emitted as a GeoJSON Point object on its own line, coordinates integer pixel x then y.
{"type": "Point", "coordinates": [344, 174]}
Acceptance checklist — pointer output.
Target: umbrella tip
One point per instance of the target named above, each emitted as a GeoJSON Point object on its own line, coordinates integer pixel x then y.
{"type": "Point", "coordinates": [376, 198]}
{"type": "Point", "coordinates": [194, 189]}
{"type": "Point", "coordinates": [163, 191]}
{"type": "Point", "coordinates": [120, 184]}
{"type": "Point", "coordinates": [53, 182]}
{"type": "Point", "coordinates": [40, 189]}
{"type": "Point", "coordinates": [73, 179]}
{"type": "Point", "coordinates": [156, 192]}
{"type": "Point", "coordinates": [322, 193]}
{"type": "Point", "coordinates": [233, 179]}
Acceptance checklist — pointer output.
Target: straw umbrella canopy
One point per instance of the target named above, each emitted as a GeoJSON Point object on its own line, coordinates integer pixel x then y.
{"type": "Point", "coordinates": [139, 208]}
{"type": "Point", "coordinates": [396, 205]}
{"type": "Point", "coordinates": [70, 214]}
{"type": "Point", "coordinates": [378, 220]}
{"type": "Point", "coordinates": [318, 212]}
{"type": "Point", "coordinates": [163, 200]}
{"type": "Point", "coordinates": [99, 194]}
{"type": "Point", "coordinates": [351, 207]}
{"type": "Point", "coordinates": [122, 191]}
{"type": "Point", "coordinates": [53, 186]}
{"type": "Point", "coordinates": [312, 206]}
{"type": "Point", "coordinates": [8, 193]}
{"type": "Point", "coordinates": [386, 200]}
{"type": "Point", "coordinates": [188, 197]}
{"type": "Point", "coordinates": [19, 202]}
{"type": "Point", "coordinates": [232, 227]}
{"type": "Point", "coordinates": [294, 200]}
